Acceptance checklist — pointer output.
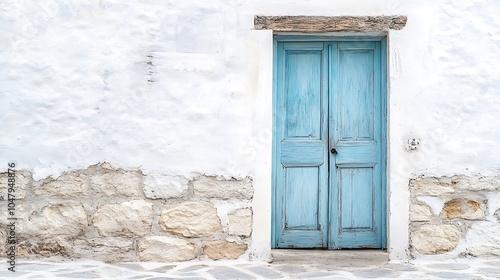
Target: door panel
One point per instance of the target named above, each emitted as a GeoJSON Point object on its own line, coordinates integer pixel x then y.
{"type": "Point", "coordinates": [301, 185]}
{"type": "Point", "coordinates": [356, 196]}
{"type": "Point", "coordinates": [302, 94]}
{"type": "Point", "coordinates": [328, 95]}
{"type": "Point", "coordinates": [355, 93]}
{"type": "Point", "coordinates": [302, 152]}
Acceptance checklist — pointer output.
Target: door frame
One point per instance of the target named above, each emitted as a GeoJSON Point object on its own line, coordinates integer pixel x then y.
{"type": "Point", "coordinates": [384, 119]}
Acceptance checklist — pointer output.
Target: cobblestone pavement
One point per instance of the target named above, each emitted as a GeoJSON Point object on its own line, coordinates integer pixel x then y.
{"type": "Point", "coordinates": [457, 269]}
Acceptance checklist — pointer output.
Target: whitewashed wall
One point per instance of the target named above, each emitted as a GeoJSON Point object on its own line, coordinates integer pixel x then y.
{"type": "Point", "coordinates": [184, 87]}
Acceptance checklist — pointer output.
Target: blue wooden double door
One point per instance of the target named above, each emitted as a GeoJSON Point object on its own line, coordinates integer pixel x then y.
{"type": "Point", "coordinates": [329, 145]}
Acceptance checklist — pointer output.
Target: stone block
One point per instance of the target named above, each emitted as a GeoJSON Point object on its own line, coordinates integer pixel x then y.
{"type": "Point", "coordinates": [23, 212]}
{"type": "Point", "coordinates": [23, 249]}
{"type": "Point", "coordinates": [483, 239]}
{"type": "Point", "coordinates": [462, 209]}
{"type": "Point", "coordinates": [49, 248]}
{"type": "Point", "coordinates": [165, 249]}
{"type": "Point", "coordinates": [116, 183]}
{"type": "Point", "coordinates": [191, 219]}
{"type": "Point", "coordinates": [72, 184]}
{"type": "Point", "coordinates": [240, 222]}
{"type": "Point", "coordinates": [22, 181]}
{"type": "Point", "coordinates": [126, 219]}
{"type": "Point", "coordinates": [420, 212]}
{"type": "Point", "coordinates": [435, 239]}
{"type": "Point", "coordinates": [45, 246]}
{"type": "Point", "coordinates": [215, 187]}
{"type": "Point", "coordinates": [497, 214]}
{"type": "Point", "coordinates": [223, 249]}
{"type": "Point", "coordinates": [482, 183]}
{"type": "Point", "coordinates": [57, 220]}
{"type": "Point", "coordinates": [107, 249]}
{"type": "Point", "coordinates": [431, 186]}
{"type": "Point", "coordinates": [3, 243]}
{"type": "Point", "coordinates": [158, 186]}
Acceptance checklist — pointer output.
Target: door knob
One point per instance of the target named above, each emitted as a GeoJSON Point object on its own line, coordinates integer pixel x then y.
{"type": "Point", "coordinates": [334, 151]}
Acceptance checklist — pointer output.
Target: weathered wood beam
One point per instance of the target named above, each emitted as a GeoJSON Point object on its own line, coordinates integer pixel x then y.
{"type": "Point", "coordinates": [329, 24]}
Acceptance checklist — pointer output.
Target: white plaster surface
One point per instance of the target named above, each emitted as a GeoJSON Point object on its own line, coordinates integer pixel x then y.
{"type": "Point", "coordinates": [435, 203]}
{"type": "Point", "coordinates": [184, 87]}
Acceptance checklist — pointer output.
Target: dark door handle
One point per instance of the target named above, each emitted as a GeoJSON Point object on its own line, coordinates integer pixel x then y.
{"type": "Point", "coordinates": [334, 151]}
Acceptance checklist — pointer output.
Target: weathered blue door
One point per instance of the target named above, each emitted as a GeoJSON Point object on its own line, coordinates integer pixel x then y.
{"type": "Point", "coordinates": [329, 147]}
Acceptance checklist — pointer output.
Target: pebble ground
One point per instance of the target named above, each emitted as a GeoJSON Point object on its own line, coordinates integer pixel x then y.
{"type": "Point", "coordinates": [456, 269]}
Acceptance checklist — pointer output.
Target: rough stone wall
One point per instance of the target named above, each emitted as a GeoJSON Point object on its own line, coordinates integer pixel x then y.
{"type": "Point", "coordinates": [453, 216]}
{"type": "Point", "coordinates": [111, 214]}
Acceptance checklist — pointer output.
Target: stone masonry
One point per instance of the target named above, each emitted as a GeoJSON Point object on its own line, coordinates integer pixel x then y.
{"type": "Point", "coordinates": [456, 216]}
{"type": "Point", "coordinates": [109, 214]}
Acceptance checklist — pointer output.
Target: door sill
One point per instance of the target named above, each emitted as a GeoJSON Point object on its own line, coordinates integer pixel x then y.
{"type": "Point", "coordinates": [330, 257]}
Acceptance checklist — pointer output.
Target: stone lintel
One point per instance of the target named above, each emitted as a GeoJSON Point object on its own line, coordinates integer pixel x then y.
{"type": "Point", "coordinates": [329, 24]}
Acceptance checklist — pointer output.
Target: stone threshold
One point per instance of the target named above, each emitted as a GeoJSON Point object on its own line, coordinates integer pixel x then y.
{"type": "Point", "coordinates": [330, 257]}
